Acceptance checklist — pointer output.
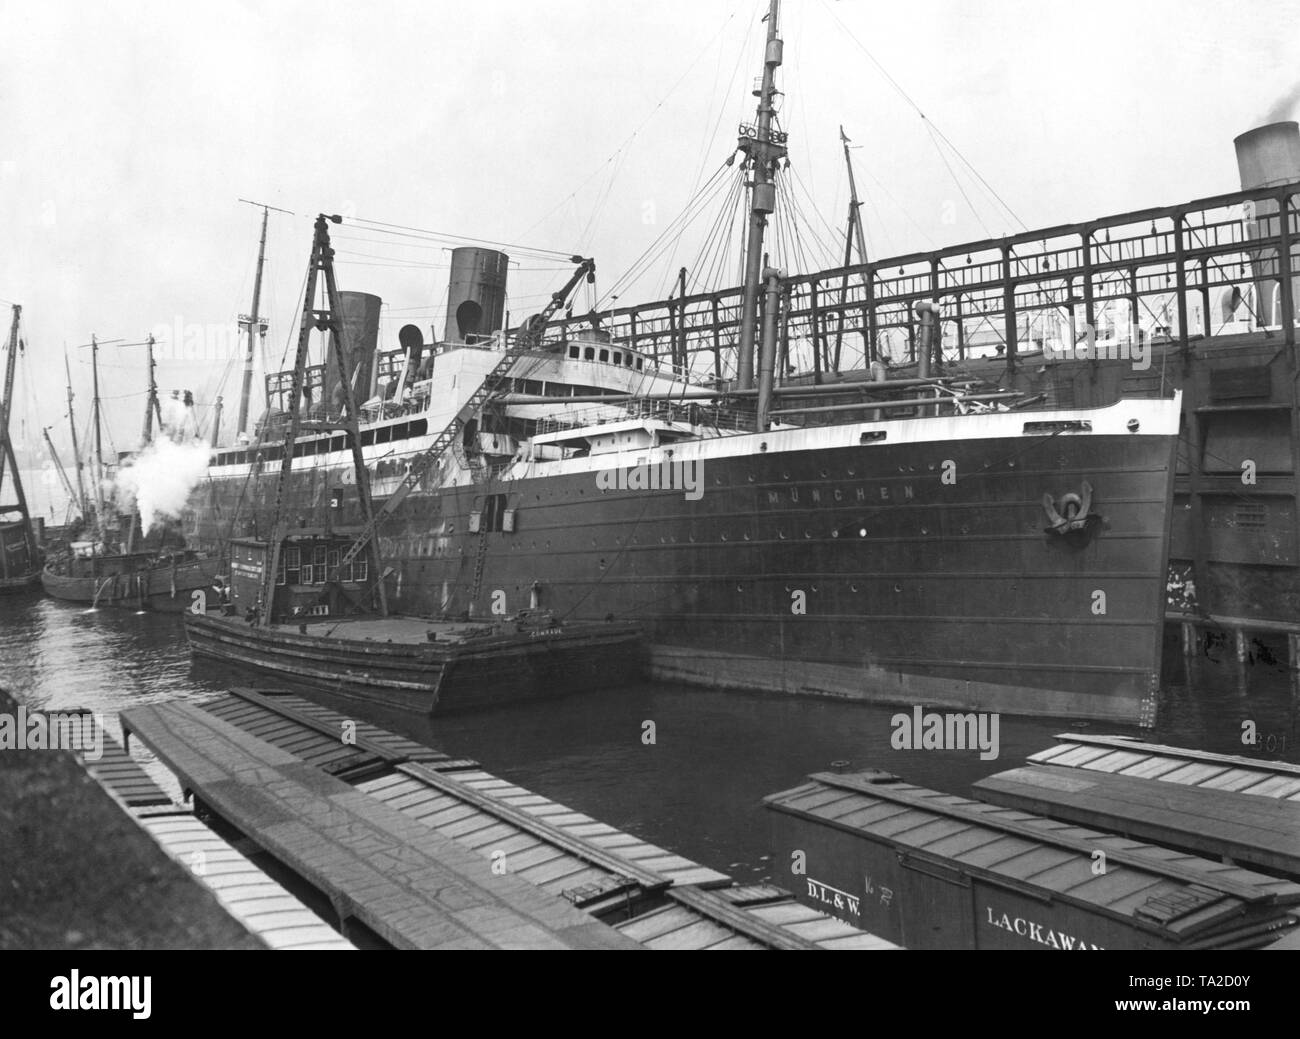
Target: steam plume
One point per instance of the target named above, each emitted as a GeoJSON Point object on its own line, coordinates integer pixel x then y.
{"type": "Point", "coordinates": [1284, 106]}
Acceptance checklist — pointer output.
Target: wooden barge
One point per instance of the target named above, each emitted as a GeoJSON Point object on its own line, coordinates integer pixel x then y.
{"type": "Point", "coordinates": [422, 665]}
{"type": "Point", "coordinates": [936, 871]}
{"type": "Point", "coordinates": [320, 633]}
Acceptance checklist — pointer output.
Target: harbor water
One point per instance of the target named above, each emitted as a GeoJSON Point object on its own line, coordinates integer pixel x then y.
{"type": "Point", "coordinates": [681, 767]}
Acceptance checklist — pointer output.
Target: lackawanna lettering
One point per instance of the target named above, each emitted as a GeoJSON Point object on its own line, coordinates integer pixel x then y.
{"type": "Point", "coordinates": [680, 475]}
{"type": "Point", "coordinates": [834, 897]}
{"type": "Point", "coordinates": [100, 993]}
{"type": "Point", "coordinates": [1036, 932]}
{"type": "Point", "coordinates": [53, 730]}
{"type": "Point", "coordinates": [920, 731]}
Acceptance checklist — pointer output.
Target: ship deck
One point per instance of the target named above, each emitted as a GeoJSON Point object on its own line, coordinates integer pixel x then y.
{"type": "Point", "coordinates": [399, 630]}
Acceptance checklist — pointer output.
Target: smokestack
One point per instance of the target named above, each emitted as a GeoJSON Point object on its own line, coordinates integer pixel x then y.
{"type": "Point", "coordinates": [361, 330]}
{"type": "Point", "coordinates": [476, 294]}
{"type": "Point", "coordinates": [1267, 156]}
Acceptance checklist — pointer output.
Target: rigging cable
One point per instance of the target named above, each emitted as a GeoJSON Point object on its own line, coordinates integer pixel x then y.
{"type": "Point", "coordinates": [907, 97]}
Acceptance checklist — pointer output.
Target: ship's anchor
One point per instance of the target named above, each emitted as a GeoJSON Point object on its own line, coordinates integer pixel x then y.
{"type": "Point", "coordinates": [1073, 513]}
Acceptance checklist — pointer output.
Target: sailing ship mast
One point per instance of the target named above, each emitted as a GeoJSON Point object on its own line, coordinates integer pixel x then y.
{"type": "Point", "coordinates": [853, 234]}
{"type": "Point", "coordinates": [99, 437]}
{"type": "Point", "coordinates": [7, 451]}
{"type": "Point", "coordinates": [763, 150]}
{"type": "Point", "coordinates": [151, 406]}
{"type": "Point", "coordinates": [68, 489]}
{"type": "Point", "coordinates": [76, 451]}
{"type": "Point", "coordinates": [253, 322]}
{"type": "Point", "coordinates": [11, 360]}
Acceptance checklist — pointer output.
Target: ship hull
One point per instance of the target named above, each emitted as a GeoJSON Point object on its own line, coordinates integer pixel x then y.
{"type": "Point", "coordinates": [915, 570]}
{"type": "Point", "coordinates": [185, 587]}
{"type": "Point", "coordinates": [20, 585]}
{"type": "Point", "coordinates": [420, 678]}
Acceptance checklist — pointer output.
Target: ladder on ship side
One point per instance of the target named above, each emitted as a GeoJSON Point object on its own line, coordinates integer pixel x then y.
{"type": "Point", "coordinates": [528, 338]}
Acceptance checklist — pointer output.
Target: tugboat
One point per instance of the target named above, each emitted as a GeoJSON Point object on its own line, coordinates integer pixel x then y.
{"type": "Point", "coordinates": [107, 570]}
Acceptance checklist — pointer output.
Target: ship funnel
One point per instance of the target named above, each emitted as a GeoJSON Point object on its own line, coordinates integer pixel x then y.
{"type": "Point", "coordinates": [361, 330]}
{"type": "Point", "coordinates": [476, 294]}
{"type": "Point", "coordinates": [1267, 156]}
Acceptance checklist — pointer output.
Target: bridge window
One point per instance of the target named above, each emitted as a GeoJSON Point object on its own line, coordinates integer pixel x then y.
{"type": "Point", "coordinates": [589, 353]}
{"type": "Point", "coordinates": [640, 363]}
{"type": "Point", "coordinates": [604, 356]}
{"type": "Point", "coordinates": [573, 352]}
{"type": "Point", "coordinates": [618, 357]}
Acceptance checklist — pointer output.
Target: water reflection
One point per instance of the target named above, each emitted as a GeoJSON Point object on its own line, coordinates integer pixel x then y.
{"type": "Point", "coordinates": [698, 787]}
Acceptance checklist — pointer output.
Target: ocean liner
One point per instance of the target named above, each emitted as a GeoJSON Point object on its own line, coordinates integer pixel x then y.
{"type": "Point", "coordinates": [907, 534]}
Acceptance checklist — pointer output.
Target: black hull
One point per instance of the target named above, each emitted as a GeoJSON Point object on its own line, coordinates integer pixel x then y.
{"type": "Point", "coordinates": [850, 571]}
{"type": "Point", "coordinates": [424, 678]}
{"type": "Point", "coordinates": [163, 589]}
{"type": "Point", "coordinates": [21, 585]}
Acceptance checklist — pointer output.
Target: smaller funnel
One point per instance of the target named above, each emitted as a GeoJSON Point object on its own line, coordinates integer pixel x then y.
{"type": "Point", "coordinates": [1267, 157]}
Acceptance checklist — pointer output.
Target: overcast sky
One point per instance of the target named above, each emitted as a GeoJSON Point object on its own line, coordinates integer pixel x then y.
{"type": "Point", "coordinates": [128, 130]}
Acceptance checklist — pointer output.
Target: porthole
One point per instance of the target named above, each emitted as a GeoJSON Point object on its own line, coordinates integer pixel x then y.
{"type": "Point", "coordinates": [835, 533]}
{"type": "Point", "coordinates": [724, 536]}
{"type": "Point", "coordinates": [862, 532]}
{"type": "Point", "coordinates": [807, 533]}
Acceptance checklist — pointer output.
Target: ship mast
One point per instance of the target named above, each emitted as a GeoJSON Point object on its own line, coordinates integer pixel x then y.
{"type": "Point", "coordinates": [58, 467]}
{"type": "Point", "coordinates": [7, 453]}
{"type": "Point", "coordinates": [151, 407]}
{"type": "Point", "coordinates": [852, 234]}
{"type": "Point", "coordinates": [763, 150]}
{"type": "Point", "coordinates": [855, 233]}
{"type": "Point", "coordinates": [253, 321]}
{"type": "Point", "coordinates": [11, 360]}
{"type": "Point", "coordinates": [99, 440]}
{"type": "Point", "coordinates": [76, 451]}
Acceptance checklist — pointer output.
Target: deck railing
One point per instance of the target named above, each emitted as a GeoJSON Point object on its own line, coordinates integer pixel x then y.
{"type": "Point", "coordinates": [1136, 275]}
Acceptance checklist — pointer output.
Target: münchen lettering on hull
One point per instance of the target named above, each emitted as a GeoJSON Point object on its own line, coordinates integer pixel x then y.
{"type": "Point", "coordinates": [860, 495]}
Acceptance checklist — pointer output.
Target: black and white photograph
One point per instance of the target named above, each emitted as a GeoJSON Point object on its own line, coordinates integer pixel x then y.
{"type": "Point", "coordinates": [716, 475]}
